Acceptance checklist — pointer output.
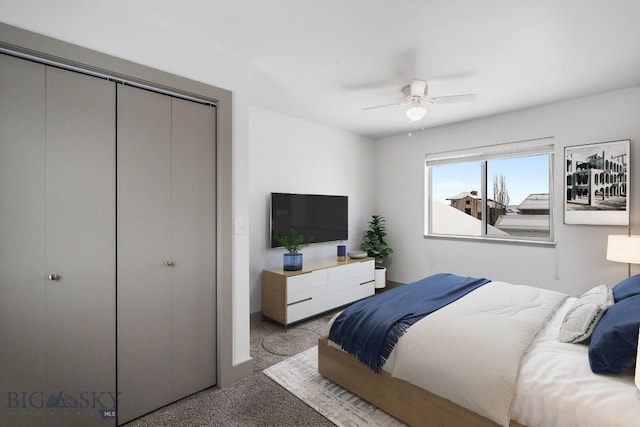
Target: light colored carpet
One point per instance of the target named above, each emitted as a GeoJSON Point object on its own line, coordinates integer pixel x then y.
{"type": "Point", "coordinates": [299, 374]}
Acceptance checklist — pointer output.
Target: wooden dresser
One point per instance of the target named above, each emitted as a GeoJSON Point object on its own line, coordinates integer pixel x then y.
{"type": "Point", "coordinates": [290, 296]}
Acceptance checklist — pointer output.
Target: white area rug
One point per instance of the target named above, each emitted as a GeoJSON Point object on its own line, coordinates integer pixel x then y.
{"type": "Point", "coordinates": [299, 374]}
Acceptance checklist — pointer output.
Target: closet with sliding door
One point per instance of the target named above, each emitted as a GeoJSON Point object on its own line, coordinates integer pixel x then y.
{"type": "Point", "coordinates": [107, 247]}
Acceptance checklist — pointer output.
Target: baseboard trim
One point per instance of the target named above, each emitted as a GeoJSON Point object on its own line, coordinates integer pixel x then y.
{"type": "Point", "coordinates": [255, 317]}
{"type": "Point", "coordinates": [236, 373]}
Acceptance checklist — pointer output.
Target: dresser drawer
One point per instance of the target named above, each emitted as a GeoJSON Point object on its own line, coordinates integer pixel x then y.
{"type": "Point", "coordinates": [353, 282]}
{"type": "Point", "coordinates": [347, 295]}
{"type": "Point", "coordinates": [306, 281]}
{"type": "Point", "coordinates": [345, 272]}
{"type": "Point", "coordinates": [302, 304]}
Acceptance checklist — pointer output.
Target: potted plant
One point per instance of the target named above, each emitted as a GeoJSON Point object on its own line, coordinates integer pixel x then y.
{"type": "Point", "coordinates": [293, 242]}
{"type": "Point", "coordinates": [375, 244]}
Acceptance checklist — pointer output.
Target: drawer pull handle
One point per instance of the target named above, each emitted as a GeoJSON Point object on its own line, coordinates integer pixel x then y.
{"type": "Point", "coordinates": [301, 301]}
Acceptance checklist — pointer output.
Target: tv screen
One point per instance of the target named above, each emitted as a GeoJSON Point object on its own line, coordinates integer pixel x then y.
{"type": "Point", "coordinates": [326, 218]}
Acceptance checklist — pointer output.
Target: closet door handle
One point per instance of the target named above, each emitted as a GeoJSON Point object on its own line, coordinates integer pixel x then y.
{"type": "Point", "coordinates": [169, 263]}
{"type": "Point", "coordinates": [53, 277]}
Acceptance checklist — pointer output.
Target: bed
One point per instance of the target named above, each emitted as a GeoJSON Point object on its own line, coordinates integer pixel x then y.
{"type": "Point", "coordinates": [552, 383]}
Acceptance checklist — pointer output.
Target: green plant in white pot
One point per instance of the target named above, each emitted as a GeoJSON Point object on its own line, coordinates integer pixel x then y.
{"type": "Point", "coordinates": [293, 242]}
{"type": "Point", "coordinates": [375, 244]}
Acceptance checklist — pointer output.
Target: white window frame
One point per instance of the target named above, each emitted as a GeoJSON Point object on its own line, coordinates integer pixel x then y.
{"type": "Point", "coordinates": [482, 155]}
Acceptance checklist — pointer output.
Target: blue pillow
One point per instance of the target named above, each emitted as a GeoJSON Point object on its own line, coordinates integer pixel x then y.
{"type": "Point", "coordinates": [614, 341]}
{"type": "Point", "coordinates": [627, 288]}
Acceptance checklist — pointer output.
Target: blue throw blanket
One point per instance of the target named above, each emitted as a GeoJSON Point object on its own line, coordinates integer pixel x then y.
{"type": "Point", "coordinates": [369, 329]}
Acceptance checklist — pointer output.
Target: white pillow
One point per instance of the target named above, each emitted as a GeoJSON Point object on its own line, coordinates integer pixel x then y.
{"type": "Point", "coordinates": [585, 313]}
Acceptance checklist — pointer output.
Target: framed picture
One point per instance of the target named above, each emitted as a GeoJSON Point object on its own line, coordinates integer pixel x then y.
{"type": "Point", "coordinates": [597, 183]}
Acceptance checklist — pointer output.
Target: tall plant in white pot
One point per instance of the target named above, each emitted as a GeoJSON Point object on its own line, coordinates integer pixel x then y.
{"type": "Point", "coordinates": [375, 244]}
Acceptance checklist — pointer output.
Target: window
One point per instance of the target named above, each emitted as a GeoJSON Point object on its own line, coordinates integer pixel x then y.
{"type": "Point", "coordinates": [497, 192]}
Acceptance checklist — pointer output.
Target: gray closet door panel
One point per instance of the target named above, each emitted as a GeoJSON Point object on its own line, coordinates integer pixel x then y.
{"type": "Point", "coordinates": [80, 241]}
{"type": "Point", "coordinates": [144, 242]}
{"type": "Point", "coordinates": [57, 186]}
{"type": "Point", "coordinates": [22, 234]}
{"type": "Point", "coordinates": [193, 244]}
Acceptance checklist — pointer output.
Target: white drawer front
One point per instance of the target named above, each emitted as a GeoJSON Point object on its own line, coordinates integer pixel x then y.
{"type": "Point", "coordinates": [306, 304]}
{"type": "Point", "coordinates": [306, 281]}
{"type": "Point", "coordinates": [349, 295]}
{"type": "Point", "coordinates": [350, 271]}
{"type": "Point", "coordinates": [353, 282]}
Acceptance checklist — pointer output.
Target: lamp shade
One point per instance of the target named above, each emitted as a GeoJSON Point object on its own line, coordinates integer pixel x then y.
{"type": "Point", "coordinates": [623, 248]}
{"type": "Point", "coordinates": [416, 112]}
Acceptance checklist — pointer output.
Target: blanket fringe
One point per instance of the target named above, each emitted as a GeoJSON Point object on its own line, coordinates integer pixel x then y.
{"type": "Point", "coordinates": [390, 342]}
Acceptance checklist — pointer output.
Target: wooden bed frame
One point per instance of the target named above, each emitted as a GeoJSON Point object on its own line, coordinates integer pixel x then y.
{"type": "Point", "coordinates": [403, 400]}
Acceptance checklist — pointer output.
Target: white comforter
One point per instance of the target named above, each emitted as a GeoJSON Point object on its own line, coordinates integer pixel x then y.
{"type": "Point", "coordinates": [556, 387]}
{"type": "Point", "coordinates": [469, 352]}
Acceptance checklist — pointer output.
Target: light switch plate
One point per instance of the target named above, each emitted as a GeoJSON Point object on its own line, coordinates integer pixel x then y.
{"type": "Point", "coordinates": [238, 226]}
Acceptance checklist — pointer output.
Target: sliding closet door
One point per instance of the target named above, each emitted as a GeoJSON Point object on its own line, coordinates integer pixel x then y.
{"type": "Point", "coordinates": [57, 240]}
{"type": "Point", "coordinates": [22, 234]}
{"type": "Point", "coordinates": [144, 250]}
{"type": "Point", "coordinates": [193, 247]}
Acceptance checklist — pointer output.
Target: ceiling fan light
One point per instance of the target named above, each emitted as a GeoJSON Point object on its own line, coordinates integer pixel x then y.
{"type": "Point", "coordinates": [416, 112]}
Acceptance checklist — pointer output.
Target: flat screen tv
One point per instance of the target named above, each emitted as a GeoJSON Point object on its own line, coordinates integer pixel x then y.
{"type": "Point", "coordinates": [324, 217]}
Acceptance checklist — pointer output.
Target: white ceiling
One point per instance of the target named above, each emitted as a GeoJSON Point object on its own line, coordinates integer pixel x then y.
{"type": "Point", "coordinates": [323, 60]}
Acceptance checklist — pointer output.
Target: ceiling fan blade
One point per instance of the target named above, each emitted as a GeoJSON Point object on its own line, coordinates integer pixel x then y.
{"type": "Point", "coordinates": [384, 106]}
{"type": "Point", "coordinates": [469, 97]}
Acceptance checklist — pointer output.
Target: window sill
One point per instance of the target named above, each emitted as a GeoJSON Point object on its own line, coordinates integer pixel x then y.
{"type": "Point", "coordinates": [514, 241]}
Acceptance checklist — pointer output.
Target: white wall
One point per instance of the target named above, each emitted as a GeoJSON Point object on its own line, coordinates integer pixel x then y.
{"type": "Point", "coordinates": [291, 155]}
{"type": "Point", "coordinates": [576, 263]}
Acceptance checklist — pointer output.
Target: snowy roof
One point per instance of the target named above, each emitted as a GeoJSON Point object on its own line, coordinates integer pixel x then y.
{"type": "Point", "coordinates": [535, 201]}
{"type": "Point", "coordinates": [449, 220]}
{"type": "Point", "coordinates": [523, 222]}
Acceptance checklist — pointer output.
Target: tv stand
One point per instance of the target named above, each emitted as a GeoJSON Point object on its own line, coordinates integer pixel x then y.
{"type": "Point", "coordinates": [291, 296]}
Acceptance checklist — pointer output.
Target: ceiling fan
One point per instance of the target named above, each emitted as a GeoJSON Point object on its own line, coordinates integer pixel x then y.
{"type": "Point", "coordinates": [415, 94]}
